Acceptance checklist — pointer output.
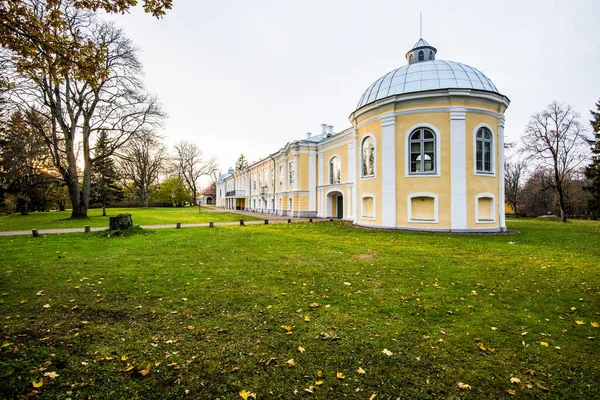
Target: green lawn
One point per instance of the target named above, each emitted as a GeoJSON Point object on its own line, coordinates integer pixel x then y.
{"type": "Point", "coordinates": [208, 313]}
{"type": "Point", "coordinates": [141, 216]}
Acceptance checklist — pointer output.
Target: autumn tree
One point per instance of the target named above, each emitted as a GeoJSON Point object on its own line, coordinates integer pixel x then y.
{"type": "Point", "coordinates": [141, 163]}
{"type": "Point", "coordinates": [105, 179]}
{"type": "Point", "coordinates": [42, 36]}
{"type": "Point", "coordinates": [189, 163]}
{"type": "Point", "coordinates": [514, 172]}
{"type": "Point", "coordinates": [592, 171]}
{"type": "Point", "coordinates": [555, 139]}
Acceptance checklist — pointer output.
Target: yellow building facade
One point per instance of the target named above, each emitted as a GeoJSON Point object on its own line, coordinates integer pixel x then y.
{"type": "Point", "coordinates": [425, 152]}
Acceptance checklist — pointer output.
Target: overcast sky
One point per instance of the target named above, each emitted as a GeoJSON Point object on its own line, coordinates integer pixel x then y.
{"type": "Point", "coordinates": [249, 76]}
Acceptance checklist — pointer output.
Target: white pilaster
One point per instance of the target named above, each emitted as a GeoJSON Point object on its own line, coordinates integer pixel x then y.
{"type": "Point", "coordinates": [296, 169]}
{"type": "Point", "coordinates": [388, 170]}
{"type": "Point", "coordinates": [320, 180]}
{"type": "Point", "coordinates": [312, 181]}
{"type": "Point", "coordinates": [500, 164]}
{"type": "Point", "coordinates": [355, 177]}
{"type": "Point", "coordinates": [351, 181]}
{"type": "Point", "coordinates": [458, 168]}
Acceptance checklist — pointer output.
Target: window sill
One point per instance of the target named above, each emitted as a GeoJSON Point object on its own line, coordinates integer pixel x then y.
{"type": "Point", "coordinates": [485, 221]}
{"type": "Point", "coordinates": [423, 221]}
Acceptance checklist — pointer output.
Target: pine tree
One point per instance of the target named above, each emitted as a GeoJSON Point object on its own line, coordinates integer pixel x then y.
{"type": "Point", "coordinates": [241, 164]}
{"type": "Point", "coordinates": [592, 171]}
{"type": "Point", "coordinates": [104, 182]}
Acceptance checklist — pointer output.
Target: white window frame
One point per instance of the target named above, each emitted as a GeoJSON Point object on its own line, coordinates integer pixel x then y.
{"type": "Point", "coordinates": [291, 172]}
{"type": "Point", "coordinates": [374, 176]}
{"type": "Point", "coordinates": [438, 152]}
{"type": "Point", "coordinates": [492, 152]}
{"type": "Point", "coordinates": [492, 208]}
{"type": "Point", "coordinates": [435, 208]}
{"type": "Point", "coordinates": [329, 168]}
{"type": "Point", "coordinates": [362, 209]}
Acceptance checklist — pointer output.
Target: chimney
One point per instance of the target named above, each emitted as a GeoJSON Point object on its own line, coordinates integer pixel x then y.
{"type": "Point", "coordinates": [330, 129]}
{"type": "Point", "coordinates": [308, 135]}
{"type": "Point", "coordinates": [324, 128]}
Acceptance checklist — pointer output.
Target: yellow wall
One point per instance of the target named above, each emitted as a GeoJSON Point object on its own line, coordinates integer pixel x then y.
{"type": "Point", "coordinates": [478, 184]}
{"type": "Point", "coordinates": [439, 185]}
{"type": "Point", "coordinates": [342, 153]}
{"type": "Point", "coordinates": [370, 186]}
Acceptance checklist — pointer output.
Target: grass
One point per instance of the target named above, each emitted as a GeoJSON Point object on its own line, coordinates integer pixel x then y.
{"type": "Point", "coordinates": [207, 313]}
{"type": "Point", "coordinates": [141, 216]}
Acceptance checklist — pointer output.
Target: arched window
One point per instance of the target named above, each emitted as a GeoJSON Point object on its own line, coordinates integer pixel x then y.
{"type": "Point", "coordinates": [483, 151]}
{"type": "Point", "coordinates": [411, 58]}
{"type": "Point", "coordinates": [421, 56]}
{"type": "Point", "coordinates": [422, 152]}
{"type": "Point", "coordinates": [368, 157]}
{"type": "Point", "coordinates": [431, 54]}
{"type": "Point", "coordinates": [335, 171]}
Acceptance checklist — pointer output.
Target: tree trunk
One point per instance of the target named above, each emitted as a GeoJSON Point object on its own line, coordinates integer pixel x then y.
{"type": "Point", "coordinates": [103, 209]}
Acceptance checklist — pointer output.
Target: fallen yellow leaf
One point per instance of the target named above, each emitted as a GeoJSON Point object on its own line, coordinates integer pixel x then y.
{"type": "Point", "coordinates": [127, 369]}
{"type": "Point", "coordinates": [51, 374]}
{"type": "Point", "coordinates": [269, 307]}
{"type": "Point", "coordinates": [306, 318]}
{"type": "Point", "coordinates": [511, 392]}
{"type": "Point", "coordinates": [37, 384]}
{"type": "Point", "coordinates": [361, 371]}
{"type": "Point", "coordinates": [464, 386]}
{"type": "Point", "coordinates": [245, 394]}
{"type": "Point", "coordinates": [123, 357]}
{"type": "Point", "coordinates": [372, 396]}
{"type": "Point", "coordinates": [387, 352]}
{"type": "Point", "coordinates": [318, 383]}
{"type": "Point", "coordinates": [319, 374]}
{"type": "Point", "coordinates": [146, 370]}
{"type": "Point", "coordinates": [291, 362]}
{"type": "Point", "coordinates": [339, 375]}
{"type": "Point", "coordinates": [544, 344]}
{"type": "Point", "coordinates": [301, 349]}
{"type": "Point", "coordinates": [595, 325]}
{"type": "Point", "coordinates": [580, 322]}
{"type": "Point", "coordinates": [515, 380]}
{"type": "Point", "coordinates": [481, 346]}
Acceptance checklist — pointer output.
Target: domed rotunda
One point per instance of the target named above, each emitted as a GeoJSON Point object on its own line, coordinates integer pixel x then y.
{"type": "Point", "coordinates": [431, 136]}
{"type": "Point", "coordinates": [424, 152]}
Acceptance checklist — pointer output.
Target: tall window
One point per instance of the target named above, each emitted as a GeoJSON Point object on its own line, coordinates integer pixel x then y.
{"type": "Point", "coordinates": [483, 151]}
{"type": "Point", "coordinates": [421, 55]}
{"type": "Point", "coordinates": [368, 157]}
{"type": "Point", "coordinates": [431, 54]}
{"type": "Point", "coordinates": [280, 175]}
{"type": "Point", "coordinates": [291, 173]}
{"type": "Point", "coordinates": [422, 152]}
{"type": "Point", "coordinates": [335, 171]}
{"type": "Point", "coordinates": [273, 178]}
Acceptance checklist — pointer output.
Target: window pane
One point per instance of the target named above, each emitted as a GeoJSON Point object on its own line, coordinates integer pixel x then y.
{"type": "Point", "coordinates": [488, 166]}
{"type": "Point", "coordinates": [415, 166]}
{"type": "Point", "coordinates": [415, 147]}
{"type": "Point", "coordinates": [428, 135]}
{"type": "Point", "coordinates": [428, 147]}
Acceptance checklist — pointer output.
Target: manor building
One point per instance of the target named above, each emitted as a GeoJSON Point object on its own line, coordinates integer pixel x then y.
{"type": "Point", "coordinates": [425, 152]}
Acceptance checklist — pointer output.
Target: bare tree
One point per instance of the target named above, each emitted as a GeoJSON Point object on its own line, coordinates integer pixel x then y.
{"type": "Point", "coordinates": [514, 172]}
{"type": "Point", "coordinates": [79, 106]}
{"type": "Point", "coordinates": [557, 140]}
{"type": "Point", "coordinates": [190, 165]}
{"type": "Point", "coordinates": [141, 163]}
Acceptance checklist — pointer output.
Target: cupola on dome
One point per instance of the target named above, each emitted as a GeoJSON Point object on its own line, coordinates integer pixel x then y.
{"type": "Point", "coordinates": [424, 73]}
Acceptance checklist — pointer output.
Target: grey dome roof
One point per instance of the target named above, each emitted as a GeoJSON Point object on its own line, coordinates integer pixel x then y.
{"type": "Point", "coordinates": [426, 75]}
